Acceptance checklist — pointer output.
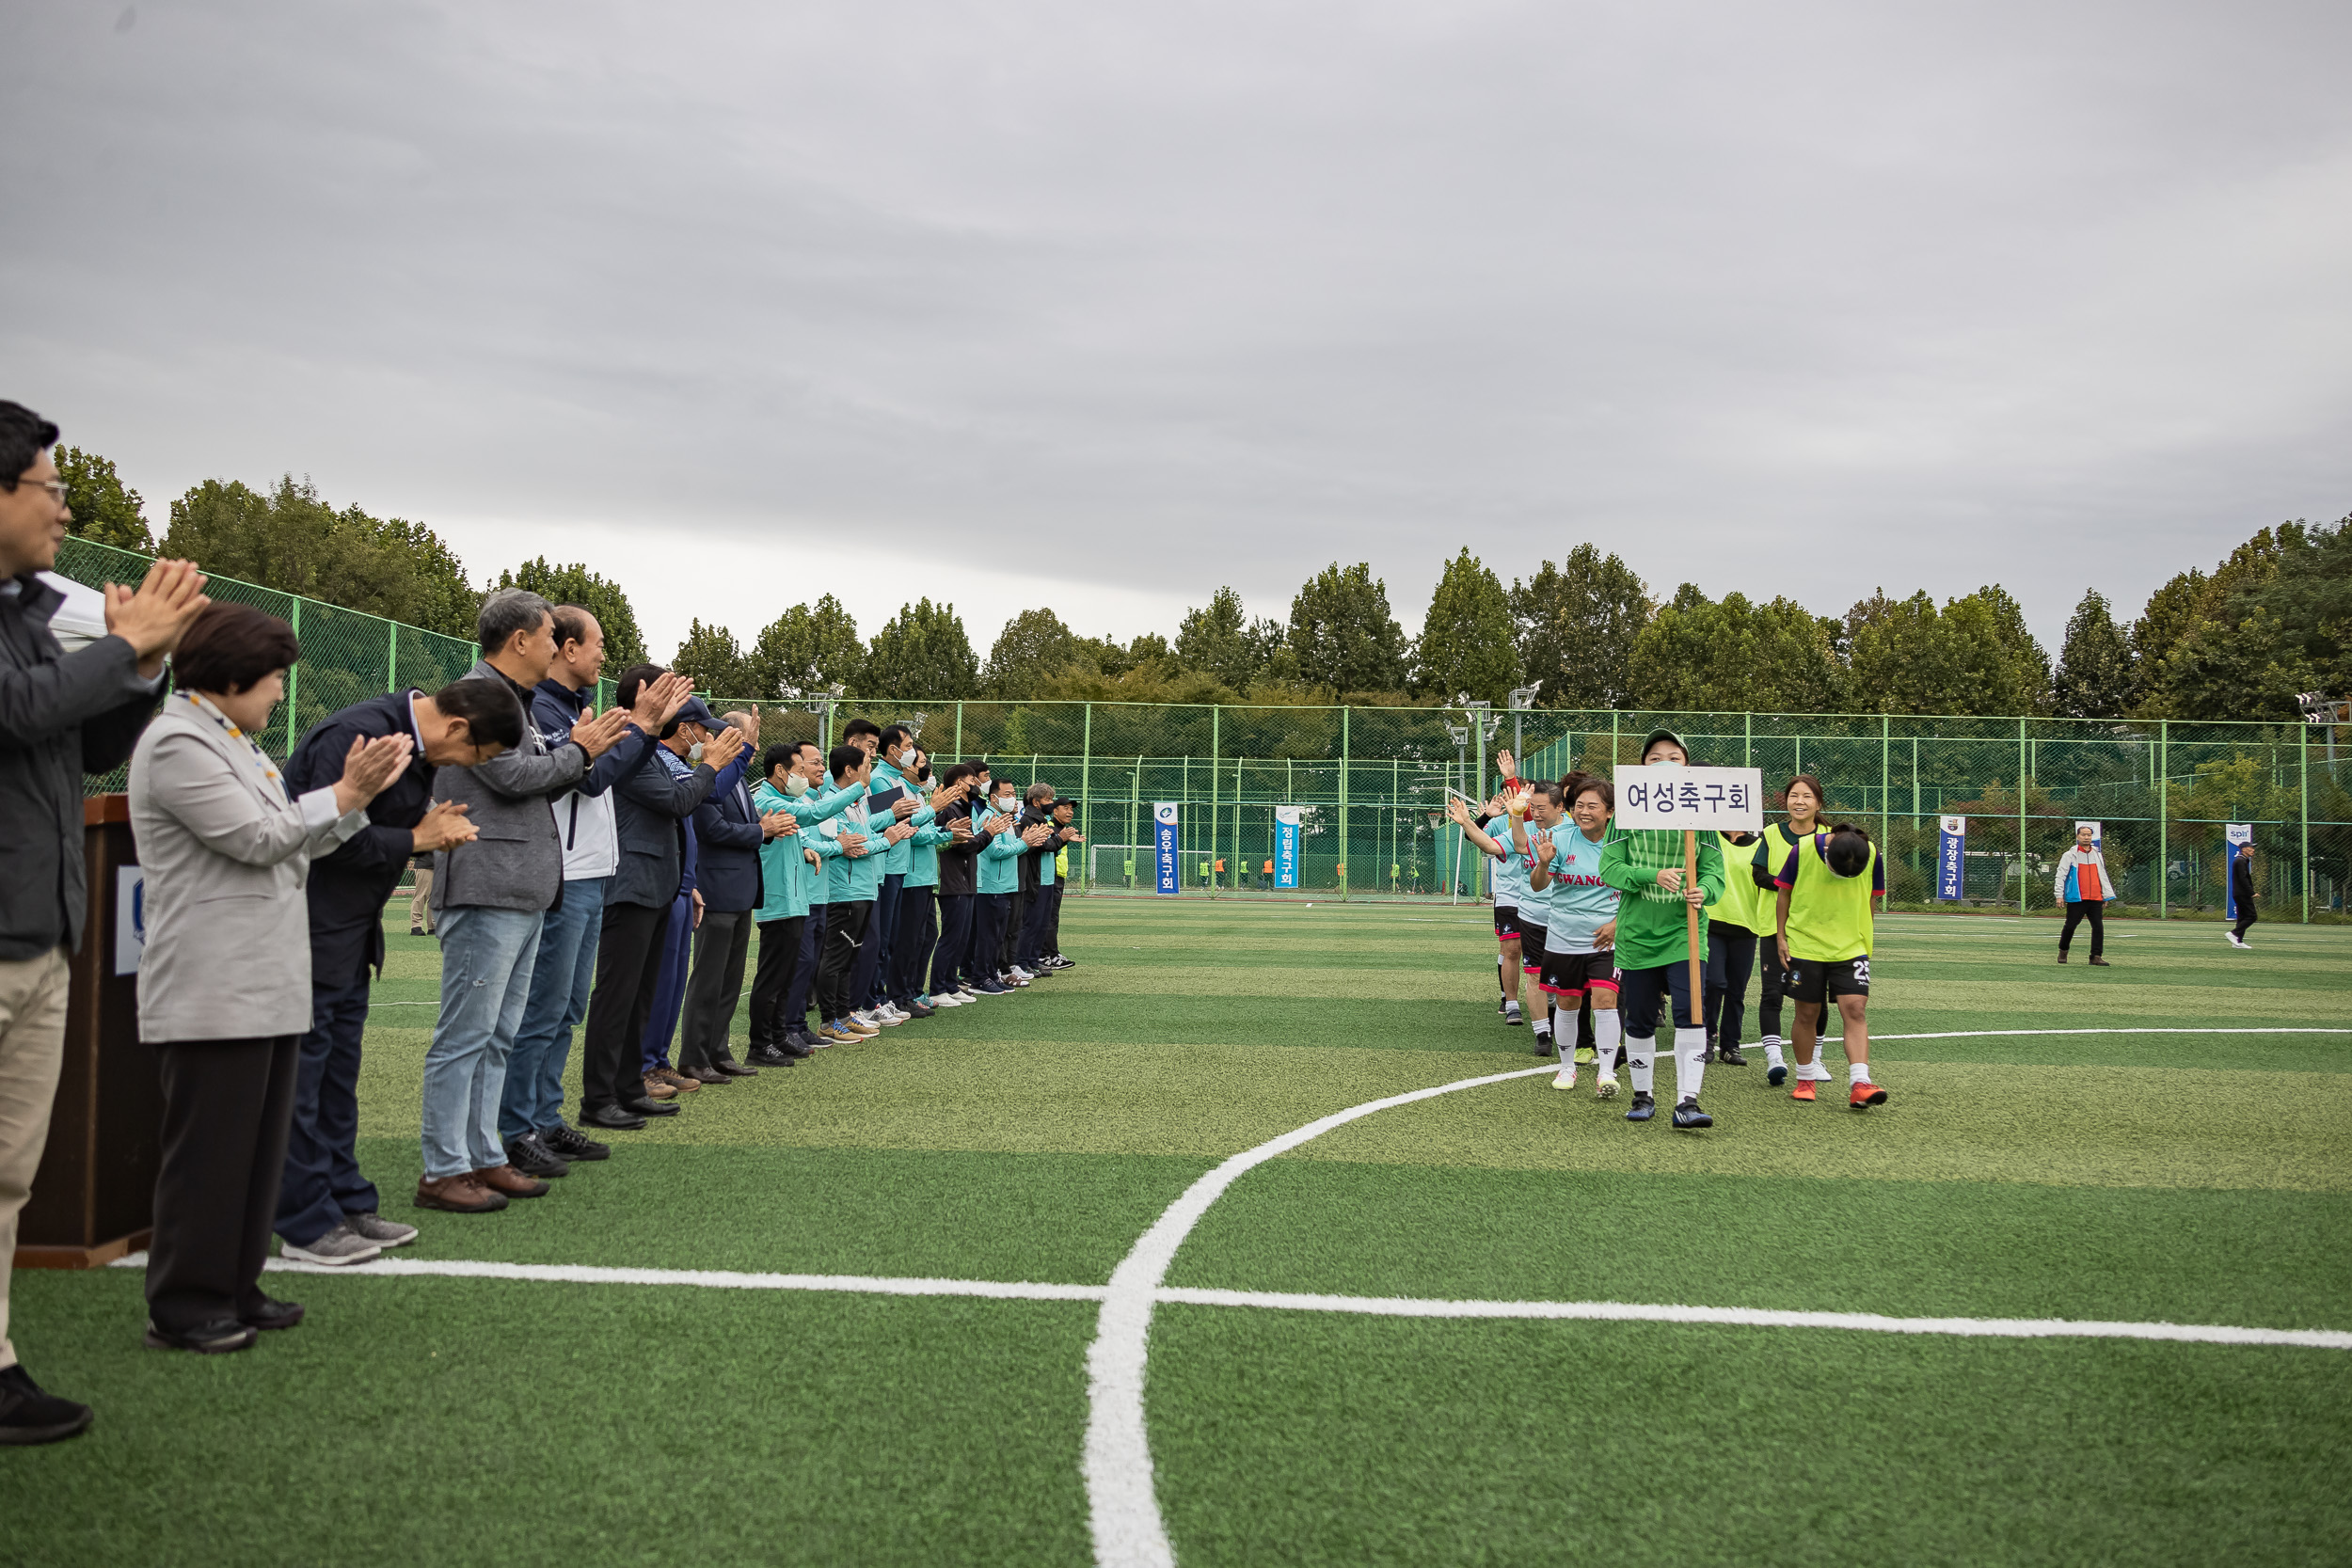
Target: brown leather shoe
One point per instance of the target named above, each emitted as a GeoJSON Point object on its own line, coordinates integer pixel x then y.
{"type": "Point", "coordinates": [659, 1088]}
{"type": "Point", "coordinates": [710, 1075]}
{"type": "Point", "coordinates": [458, 1195]}
{"type": "Point", "coordinates": [675, 1079]}
{"type": "Point", "coordinates": [514, 1183]}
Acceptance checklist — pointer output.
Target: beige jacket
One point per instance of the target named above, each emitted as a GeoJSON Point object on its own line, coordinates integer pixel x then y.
{"type": "Point", "coordinates": [225, 856]}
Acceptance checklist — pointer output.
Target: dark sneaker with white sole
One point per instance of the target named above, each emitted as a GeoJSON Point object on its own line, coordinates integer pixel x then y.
{"type": "Point", "coordinates": [568, 1143]}
{"type": "Point", "coordinates": [214, 1339]}
{"type": "Point", "coordinates": [1644, 1107]}
{"type": "Point", "coordinates": [533, 1157]}
{"type": "Point", "coordinates": [28, 1416]}
{"type": "Point", "coordinates": [338, 1247]}
{"type": "Point", "coordinates": [274, 1314]}
{"type": "Point", "coordinates": [1688, 1115]}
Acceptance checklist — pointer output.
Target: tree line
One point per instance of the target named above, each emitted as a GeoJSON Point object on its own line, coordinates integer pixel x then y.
{"type": "Point", "coordinates": [2270, 621]}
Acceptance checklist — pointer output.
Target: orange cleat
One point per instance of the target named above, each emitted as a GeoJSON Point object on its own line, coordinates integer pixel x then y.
{"type": "Point", "coordinates": [1866, 1094]}
{"type": "Point", "coordinates": [1803, 1090]}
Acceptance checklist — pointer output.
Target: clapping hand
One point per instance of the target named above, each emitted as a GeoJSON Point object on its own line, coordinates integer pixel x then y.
{"type": "Point", "coordinates": [897, 831]}
{"type": "Point", "coordinates": [721, 748]}
{"type": "Point", "coordinates": [1035, 836]}
{"type": "Point", "coordinates": [961, 831]}
{"type": "Point", "coordinates": [152, 616]}
{"type": "Point", "coordinates": [853, 844]}
{"type": "Point", "coordinates": [442, 827]}
{"type": "Point", "coordinates": [778, 824]}
{"type": "Point", "coordinates": [598, 733]}
{"type": "Point", "coordinates": [903, 807]}
{"type": "Point", "coordinates": [658, 700]}
{"type": "Point", "coordinates": [368, 766]}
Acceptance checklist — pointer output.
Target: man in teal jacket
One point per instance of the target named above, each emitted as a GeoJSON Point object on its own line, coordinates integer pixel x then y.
{"type": "Point", "coordinates": [909, 958]}
{"type": "Point", "coordinates": [790, 869]}
{"type": "Point", "coordinates": [852, 875]}
{"type": "Point", "coordinates": [999, 876]}
{"type": "Point", "coordinates": [894, 774]}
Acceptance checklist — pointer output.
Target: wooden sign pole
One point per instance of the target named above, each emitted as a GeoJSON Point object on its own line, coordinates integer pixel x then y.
{"type": "Point", "coordinates": [1691, 922]}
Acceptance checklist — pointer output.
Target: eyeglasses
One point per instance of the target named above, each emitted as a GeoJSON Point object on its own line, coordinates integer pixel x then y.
{"type": "Point", "coordinates": [55, 486]}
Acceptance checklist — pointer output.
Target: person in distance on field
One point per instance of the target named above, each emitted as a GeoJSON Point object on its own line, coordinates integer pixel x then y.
{"type": "Point", "coordinates": [1804, 798]}
{"type": "Point", "coordinates": [791, 875]}
{"type": "Point", "coordinates": [1043, 838]}
{"type": "Point", "coordinates": [2242, 884]}
{"type": "Point", "coordinates": [2083, 885]}
{"type": "Point", "coordinates": [1654, 945]}
{"type": "Point", "coordinates": [1825, 923]}
{"type": "Point", "coordinates": [327, 1209]}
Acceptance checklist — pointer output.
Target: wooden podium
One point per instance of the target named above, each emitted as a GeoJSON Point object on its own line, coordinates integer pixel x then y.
{"type": "Point", "coordinates": [93, 1198]}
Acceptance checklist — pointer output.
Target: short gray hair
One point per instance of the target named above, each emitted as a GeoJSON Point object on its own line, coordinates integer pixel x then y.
{"type": "Point", "coordinates": [506, 612]}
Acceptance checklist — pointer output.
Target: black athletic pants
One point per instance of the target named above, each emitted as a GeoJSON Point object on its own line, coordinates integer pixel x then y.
{"type": "Point", "coordinates": [918, 933]}
{"type": "Point", "coordinates": [955, 942]}
{"type": "Point", "coordinates": [2095, 911]}
{"type": "Point", "coordinates": [628, 971]}
{"type": "Point", "coordinates": [845, 930]}
{"type": "Point", "coordinates": [1030, 948]}
{"type": "Point", "coordinates": [228, 1105]}
{"type": "Point", "coordinates": [771, 983]}
{"type": "Point", "coordinates": [802, 990]}
{"type": "Point", "coordinates": [989, 913]}
{"type": "Point", "coordinates": [1730, 959]}
{"type": "Point", "coordinates": [1053, 922]}
{"type": "Point", "coordinates": [1772, 989]}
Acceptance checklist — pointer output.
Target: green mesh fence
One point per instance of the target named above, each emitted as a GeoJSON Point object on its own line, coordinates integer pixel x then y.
{"type": "Point", "coordinates": [1369, 783]}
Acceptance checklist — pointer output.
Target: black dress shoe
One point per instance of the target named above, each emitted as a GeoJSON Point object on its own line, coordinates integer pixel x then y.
{"type": "Point", "coordinates": [1730, 1056]}
{"type": "Point", "coordinates": [28, 1416]}
{"type": "Point", "coordinates": [645, 1107]}
{"type": "Point", "coordinates": [616, 1117]}
{"type": "Point", "coordinates": [797, 1045]}
{"type": "Point", "coordinates": [272, 1314]}
{"type": "Point", "coordinates": [214, 1339]}
{"type": "Point", "coordinates": [733, 1069]}
{"type": "Point", "coordinates": [768, 1055]}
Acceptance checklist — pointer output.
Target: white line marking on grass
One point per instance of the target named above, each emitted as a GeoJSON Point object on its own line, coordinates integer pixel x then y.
{"type": "Point", "coordinates": [1122, 1510]}
{"type": "Point", "coordinates": [1750, 1317]}
{"type": "Point", "coordinates": [1982, 1034]}
{"type": "Point", "coordinates": [1376, 1306]}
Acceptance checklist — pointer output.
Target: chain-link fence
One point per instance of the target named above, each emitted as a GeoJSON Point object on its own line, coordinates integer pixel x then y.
{"type": "Point", "coordinates": [1369, 783]}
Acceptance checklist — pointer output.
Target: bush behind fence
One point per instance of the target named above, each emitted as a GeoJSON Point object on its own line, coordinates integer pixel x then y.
{"type": "Point", "coordinates": [1370, 782]}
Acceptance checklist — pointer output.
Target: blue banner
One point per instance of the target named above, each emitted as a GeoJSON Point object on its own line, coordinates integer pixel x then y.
{"type": "Point", "coordinates": [1165, 877]}
{"type": "Point", "coordinates": [1286, 847]}
{"type": "Point", "coordinates": [1951, 850]}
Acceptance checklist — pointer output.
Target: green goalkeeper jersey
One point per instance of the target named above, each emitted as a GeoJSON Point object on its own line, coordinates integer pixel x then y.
{"type": "Point", "coordinates": [1651, 929]}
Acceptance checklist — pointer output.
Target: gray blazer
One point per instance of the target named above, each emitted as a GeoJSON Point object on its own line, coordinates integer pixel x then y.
{"type": "Point", "coordinates": [515, 860]}
{"type": "Point", "coordinates": [226, 855]}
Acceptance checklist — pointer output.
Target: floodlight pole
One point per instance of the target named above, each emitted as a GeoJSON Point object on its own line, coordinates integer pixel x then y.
{"type": "Point", "coordinates": [1522, 698]}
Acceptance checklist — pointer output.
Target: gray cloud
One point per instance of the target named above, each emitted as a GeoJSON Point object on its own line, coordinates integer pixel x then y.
{"type": "Point", "coordinates": [1102, 307]}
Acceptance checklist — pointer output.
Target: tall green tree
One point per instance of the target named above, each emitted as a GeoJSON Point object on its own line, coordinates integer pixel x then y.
{"type": "Point", "coordinates": [2094, 672]}
{"type": "Point", "coordinates": [1218, 639]}
{"type": "Point", "coordinates": [1697, 656]}
{"type": "Point", "coordinates": [2242, 642]}
{"type": "Point", "coordinates": [2031, 663]}
{"type": "Point", "coordinates": [1033, 648]}
{"type": "Point", "coordinates": [106, 510]}
{"type": "Point", "coordinates": [921, 652]}
{"type": "Point", "coordinates": [292, 540]}
{"type": "Point", "coordinates": [712, 659]}
{"type": "Point", "coordinates": [1343, 635]}
{"type": "Point", "coordinates": [1911, 657]}
{"type": "Point", "coordinates": [1466, 644]}
{"type": "Point", "coordinates": [1576, 623]}
{"type": "Point", "coordinates": [805, 652]}
{"type": "Point", "coordinates": [624, 644]}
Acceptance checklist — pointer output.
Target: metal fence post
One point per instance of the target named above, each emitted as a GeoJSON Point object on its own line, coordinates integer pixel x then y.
{"type": "Point", "coordinates": [1216, 712]}
{"type": "Point", "coordinates": [2021, 817]}
{"type": "Point", "coordinates": [2164, 813]}
{"type": "Point", "coordinates": [959, 729]}
{"type": "Point", "coordinates": [294, 679]}
{"type": "Point", "coordinates": [2305, 748]}
{"type": "Point", "coordinates": [1886, 782]}
{"type": "Point", "coordinates": [391, 657]}
{"type": "Point", "coordinates": [1086, 792]}
{"type": "Point", "coordinates": [1747, 740]}
{"type": "Point", "coordinates": [1345, 847]}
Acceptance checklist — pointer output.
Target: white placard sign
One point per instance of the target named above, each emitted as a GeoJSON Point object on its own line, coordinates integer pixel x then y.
{"type": "Point", "coordinates": [129, 918]}
{"type": "Point", "coordinates": [1710, 800]}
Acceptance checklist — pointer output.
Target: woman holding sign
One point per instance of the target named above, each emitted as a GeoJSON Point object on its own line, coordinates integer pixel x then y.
{"type": "Point", "coordinates": [1654, 946]}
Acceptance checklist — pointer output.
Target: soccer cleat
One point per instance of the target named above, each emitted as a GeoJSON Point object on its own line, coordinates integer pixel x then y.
{"type": "Point", "coordinates": [1863, 1095]}
{"type": "Point", "coordinates": [1802, 1091]}
{"type": "Point", "coordinates": [1688, 1116]}
{"type": "Point", "coordinates": [1644, 1107]}
{"type": "Point", "coordinates": [1605, 1087]}
{"type": "Point", "coordinates": [1585, 1054]}
{"type": "Point", "coordinates": [1776, 1074]}
{"type": "Point", "coordinates": [1565, 1078]}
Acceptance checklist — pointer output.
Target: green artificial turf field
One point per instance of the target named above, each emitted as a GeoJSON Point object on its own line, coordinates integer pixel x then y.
{"type": "Point", "coordinates": [2129, 1178]}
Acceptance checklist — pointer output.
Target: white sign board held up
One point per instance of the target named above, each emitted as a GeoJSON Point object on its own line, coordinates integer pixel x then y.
{"type": "Point", "coordinates": [1709, 800]}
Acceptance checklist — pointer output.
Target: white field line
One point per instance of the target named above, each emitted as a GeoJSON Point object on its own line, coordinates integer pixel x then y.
{"type": "Point", "coordinates": [1286, 1301]}
{"type": "Point", "coordinates": [1123, 1509]}
{"type": "Point", "coordinates": [1984, 1033]}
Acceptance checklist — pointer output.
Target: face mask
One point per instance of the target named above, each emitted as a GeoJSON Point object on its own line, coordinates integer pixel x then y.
{"type": "Point", "coordinates": [1004, 804]}
{"type": "Point", "coordinates": [795, 786]}
{"type": "Point", "coordinates": [694, 752]}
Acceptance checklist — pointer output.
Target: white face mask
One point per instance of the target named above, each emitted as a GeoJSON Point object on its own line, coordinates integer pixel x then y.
{"type": "Point", "coordinates": [795, 786]}
{"type": "Point", "coordinates": [694, 752]}
{"type": "Point", "coordinates": [1004, 804]}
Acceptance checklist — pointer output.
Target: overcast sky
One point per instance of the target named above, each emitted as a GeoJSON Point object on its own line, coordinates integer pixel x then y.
{"type": "Point", "coordinates": [1101, 306]}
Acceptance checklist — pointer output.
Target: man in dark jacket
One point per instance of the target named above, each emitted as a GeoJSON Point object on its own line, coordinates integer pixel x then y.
{"type": "Point", "coordinates": [650, 810]}
{"type": "Point", "coordinates": [327, 1209]}
{"type": "Point", "coordinates": [729, 831]}
{"type": "Point", "coordinates": [61, 715]}
{"type": "Point", "coordinates": [956, 888]}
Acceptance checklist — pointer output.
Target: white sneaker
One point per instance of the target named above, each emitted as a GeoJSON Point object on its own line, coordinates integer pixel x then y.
{"type": "Point", "coordinates": [1566, 1077]}
{"type": "Point", "coordinates": [867, 1018]}
{"type": "Point", "coordinates": [2234, 939]}
{"type": "Point", "coordinates": [892, 1010]}
{"type": "Point", "coordinates": [1022, 975]}
{"type": "Point", "coordinates": [889, 1018]}
{"type": "Point", "coordinates": [947, 1002]}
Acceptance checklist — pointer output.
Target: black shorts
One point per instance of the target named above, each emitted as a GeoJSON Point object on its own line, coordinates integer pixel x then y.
{"type": "Point", "coordinates": [1572, 975]}
{"type": "Point", "coordinates": [1816, 979]}
{"type": "Point", "coordinates": [1532, 949]}
{"type": "Point", "coordinates": [1506, 923]}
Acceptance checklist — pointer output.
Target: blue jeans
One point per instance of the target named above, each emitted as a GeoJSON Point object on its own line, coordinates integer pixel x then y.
{"type": "Point", "coordinates": [322, 1181]}
{"type": "Point", "coordinates": [561, 980]}
{"type": "Point", "coordinates": [486, 959]}
{"type": "Point", "coordinates": [889, 899]}
{"type": "Point", "coordinates": [669, 990]}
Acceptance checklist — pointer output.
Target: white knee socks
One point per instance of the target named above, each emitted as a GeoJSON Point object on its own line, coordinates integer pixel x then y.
{"type": "Point", "coordinates": [1605, 1037]}
{"type": "Point", "coordinates": [1641, 1055]}
{"type": "Point", "coordinates": [1690, 1062]}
